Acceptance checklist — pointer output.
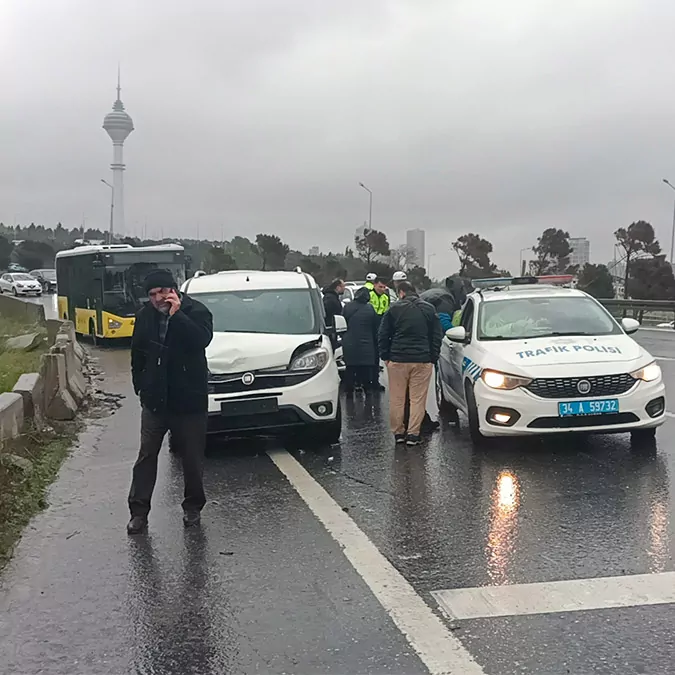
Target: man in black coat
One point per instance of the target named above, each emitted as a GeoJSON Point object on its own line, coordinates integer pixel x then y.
{"type": "Point", "coordinates": [170, 375]}
{"type": "Point", "coordinates": [359, 344]}
{"type": "Point", "coordinates": [410, 343]}
{"type": "Point", "coordinates": [333, 305]}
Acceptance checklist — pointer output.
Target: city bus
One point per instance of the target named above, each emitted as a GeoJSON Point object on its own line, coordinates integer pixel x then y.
{"type": "Point", "coordinates": [100, 288]}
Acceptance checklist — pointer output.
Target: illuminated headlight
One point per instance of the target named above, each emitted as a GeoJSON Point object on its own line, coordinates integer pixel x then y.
{"type": "Point", "coordinates": [313, 360]}
{"type": "Point", "coordinates": [497, 380]}
{"type": "Point", "coordinates": [114, 325]}
{"type": "Point", "coordinates": [648, 373]}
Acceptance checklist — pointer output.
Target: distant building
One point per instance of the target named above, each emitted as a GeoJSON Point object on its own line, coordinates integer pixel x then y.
{"type": "Point", "coordinates": [314, 251]}
{"type": "Point", "coordinates": [415, 244]}
{"type": "Point", "coordinates": [581, 251]}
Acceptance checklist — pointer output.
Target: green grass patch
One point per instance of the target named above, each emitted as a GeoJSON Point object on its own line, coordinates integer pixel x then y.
{"type": "Point", "coordinates": [22, 492]}
{"type": "Point", "coordinates": [14, 363]}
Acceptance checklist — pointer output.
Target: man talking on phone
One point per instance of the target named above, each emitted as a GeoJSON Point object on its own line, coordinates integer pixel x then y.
{"type": "Point", "coordinates": [170, 375]}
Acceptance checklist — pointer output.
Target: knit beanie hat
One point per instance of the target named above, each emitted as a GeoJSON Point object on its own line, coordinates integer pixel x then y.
{"type": "Point", "coordinates": [159, 279]}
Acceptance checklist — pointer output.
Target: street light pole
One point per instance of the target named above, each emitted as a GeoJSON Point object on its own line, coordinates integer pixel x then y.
{"type": "Point", "coordinates": [672, 234]}
{"type": "Point", "coordinates": [429, 257]}
{"type": "Point", "coordinates": [112, 209]}
{"type": "Point", "coordinates": [370, 206]}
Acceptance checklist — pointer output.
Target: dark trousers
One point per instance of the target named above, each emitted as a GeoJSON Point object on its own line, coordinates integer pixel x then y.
{"type": "Point", "coordinates": [189, 439]}
{"type": "Point", "coordinates": [358, 376]}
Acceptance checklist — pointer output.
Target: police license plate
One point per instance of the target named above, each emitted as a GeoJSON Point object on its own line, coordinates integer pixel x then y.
{"type": "Point", "coordinates": [597, 407]}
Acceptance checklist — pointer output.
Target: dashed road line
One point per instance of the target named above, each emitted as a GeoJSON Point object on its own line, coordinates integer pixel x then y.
{"type": "Point", "coordinates": [558, 596]}
{"type": "Point", "coordinates": [440, 651]}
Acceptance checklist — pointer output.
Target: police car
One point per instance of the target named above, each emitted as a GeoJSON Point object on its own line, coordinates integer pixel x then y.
{"type": "Point", "coordinates": [533, 357]}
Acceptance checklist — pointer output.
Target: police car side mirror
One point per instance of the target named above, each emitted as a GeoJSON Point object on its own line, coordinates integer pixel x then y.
{"type": "Point", "coordinates": [340, 324]}
{"type": "Point", "coordinates": [457, 334]}
{"type": "Point", "coordinates": [630, 325]}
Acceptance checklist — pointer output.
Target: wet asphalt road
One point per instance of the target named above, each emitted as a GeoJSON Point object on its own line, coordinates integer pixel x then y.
{"type": "Point", "coordinates": [263, 588]}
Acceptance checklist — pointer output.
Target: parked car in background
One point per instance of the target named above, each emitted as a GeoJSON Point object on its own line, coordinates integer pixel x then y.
{"type": "Point", "coordinates": [15, 267]}
{"type": "Point", "coordinates": [47, 279]}
{"type": "Point", "coordinates": [19, 284]}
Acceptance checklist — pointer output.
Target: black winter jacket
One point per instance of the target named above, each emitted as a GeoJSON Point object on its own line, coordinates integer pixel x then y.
{"type": "Point", "coordinates": [172, 377]}
{"type": "Point", "coordinates": [332, 305]}
{"type": "Point", "coordinates": [359, 344]}
{"type": "Point", "coordinates": [410, 332]}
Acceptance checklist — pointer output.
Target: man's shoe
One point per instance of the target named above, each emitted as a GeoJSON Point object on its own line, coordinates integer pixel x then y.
{"type": "Point", "coordinates": [429, 426]}
{"type": "Point", "coordinates": [399, 438]}
{"type": "Point", "coordinates": [191, 518]}
{"type": "Point", "coordinates": [137, 525]}
{"type": "Point", "coordinates": [413, 440]}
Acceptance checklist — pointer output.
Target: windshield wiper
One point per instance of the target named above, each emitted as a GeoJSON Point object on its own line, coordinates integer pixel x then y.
{"type": "Point", "coordinates": [564, 333]}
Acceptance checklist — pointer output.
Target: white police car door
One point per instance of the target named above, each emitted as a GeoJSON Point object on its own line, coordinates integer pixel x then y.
{"type": "Point", "coordinates": [457, 355]}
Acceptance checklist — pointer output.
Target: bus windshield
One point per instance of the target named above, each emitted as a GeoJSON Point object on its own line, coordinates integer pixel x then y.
{"type": "Point", "coordinates": [123, 292]}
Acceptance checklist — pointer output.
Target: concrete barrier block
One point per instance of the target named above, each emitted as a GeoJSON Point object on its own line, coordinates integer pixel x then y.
{"type": "Point", "coordinates": [59, 403]}
{"type": "Point", "coordinates": [76, 383]}
{"type": "Point", "coordinates": [68, 328]}
{"type": "Point", "coordinates": [53, 326]}
{"type": "Point", "coordinates": [11, 415]}
{"type": "Point", "coordinates": [30, 387]}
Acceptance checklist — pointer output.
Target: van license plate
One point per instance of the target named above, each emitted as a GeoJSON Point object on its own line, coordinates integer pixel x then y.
{"type": "Point", "coordinates": [254, 406]}
{"type": "Point", "coordinates": [598, 407]}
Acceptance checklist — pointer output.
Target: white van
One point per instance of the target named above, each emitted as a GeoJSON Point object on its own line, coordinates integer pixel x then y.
{"type": "Point", "coordinates": [271, 364]}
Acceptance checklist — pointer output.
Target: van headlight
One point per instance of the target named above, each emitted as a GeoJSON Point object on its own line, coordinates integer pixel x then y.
{"type": "Point", "coordinates": [648, 373]}
{"type": "Point", "coordinates": [496, 380]}
{"type": "Point", "coordinates": [315, 359]}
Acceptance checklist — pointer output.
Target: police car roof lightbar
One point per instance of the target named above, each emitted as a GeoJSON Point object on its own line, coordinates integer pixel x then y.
{"type": "Point", "coordinates": [502, 282]}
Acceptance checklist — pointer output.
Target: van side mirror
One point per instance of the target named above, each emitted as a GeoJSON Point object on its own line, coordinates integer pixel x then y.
{"type": "Point", "coordinates": [340, 324]}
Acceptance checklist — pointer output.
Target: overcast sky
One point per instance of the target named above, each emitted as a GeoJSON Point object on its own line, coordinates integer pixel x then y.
{"type": "Point", "coordinates": [502, 118]}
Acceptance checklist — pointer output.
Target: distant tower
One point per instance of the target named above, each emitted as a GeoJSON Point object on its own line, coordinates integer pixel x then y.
{"type": "Point", "coordinates": [119, 125]}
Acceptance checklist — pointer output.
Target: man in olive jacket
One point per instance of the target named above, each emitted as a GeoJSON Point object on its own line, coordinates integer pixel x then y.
{"type": "Point", "coordinates": [170, 375]}
{"type": "Point", "coordinates": [410, 339]}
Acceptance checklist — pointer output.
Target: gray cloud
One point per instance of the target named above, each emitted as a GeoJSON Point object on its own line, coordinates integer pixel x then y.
{"type": "Point", "coordinates": [263, 115]}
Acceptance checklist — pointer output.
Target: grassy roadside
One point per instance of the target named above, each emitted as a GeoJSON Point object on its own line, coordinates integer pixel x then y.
{"type": "Point", "coordinates": [23, 486]}
{"type": "Point", "coordinates": [28, 464]}
{"type": "Point", "coordinates": [14, 363]}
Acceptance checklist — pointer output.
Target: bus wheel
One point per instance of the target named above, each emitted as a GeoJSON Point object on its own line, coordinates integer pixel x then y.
{"type": "Point", "coordinates": [92, 332]}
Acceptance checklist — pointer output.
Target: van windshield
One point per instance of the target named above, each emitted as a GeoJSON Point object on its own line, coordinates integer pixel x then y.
{"type": "Point", "coordinates": [281, 312]}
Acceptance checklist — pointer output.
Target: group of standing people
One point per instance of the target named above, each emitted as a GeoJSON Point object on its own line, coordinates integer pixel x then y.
{"type": "Point", "coordinates": [406, 336]}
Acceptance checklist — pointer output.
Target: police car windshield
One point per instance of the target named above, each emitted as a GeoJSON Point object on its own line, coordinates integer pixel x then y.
{"type": "Point", "coordinates": [528, 318]}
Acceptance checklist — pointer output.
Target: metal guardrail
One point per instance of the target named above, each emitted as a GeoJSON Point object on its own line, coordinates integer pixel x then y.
{"type": "Point", "coordinates": [643, 305]}
{"type": "Point", "coordinates": [647, 312]}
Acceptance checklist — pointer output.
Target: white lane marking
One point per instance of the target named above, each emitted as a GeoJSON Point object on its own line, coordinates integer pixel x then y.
{"type": "Point", "coordinates": [440, 651]}
{"type": "Point", "coordinates": [558, 596]}
{"type": "Point", "coordinates": [669, 414]}
{"type": "Point", "coordinates": [664, 358]}
{"type": "Point", "coordinates": [656, 330]}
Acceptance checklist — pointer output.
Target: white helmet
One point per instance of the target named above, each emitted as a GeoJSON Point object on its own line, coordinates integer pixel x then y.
{"type": "Point", "coordinates": [371, 277]}
{"type": "Point", "coordinates": [400, 276]}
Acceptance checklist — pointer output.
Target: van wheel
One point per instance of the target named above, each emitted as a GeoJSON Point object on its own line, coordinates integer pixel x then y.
{"type": "Point", "coordinates": [477, 438]}
{"type": "Point", "coordinates": [320, 435]}
{"type": "Point", "coordinates": [445, 408]}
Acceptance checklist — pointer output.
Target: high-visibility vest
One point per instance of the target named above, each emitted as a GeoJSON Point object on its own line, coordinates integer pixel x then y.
{"type": "Point", "coordinates": [379, 302]}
